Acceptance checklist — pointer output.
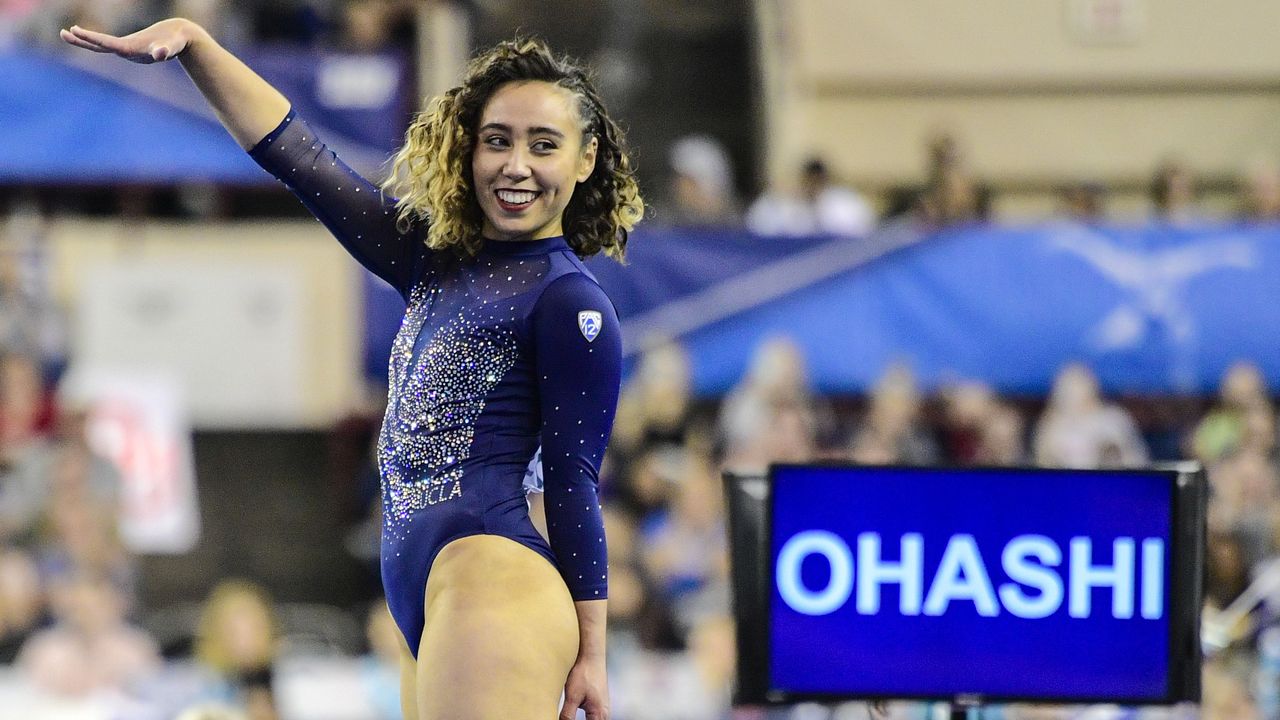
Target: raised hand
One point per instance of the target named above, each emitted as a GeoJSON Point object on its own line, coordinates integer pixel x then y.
{"type": "Point", "coordinates": [160, 42]}
{"type": "Point", "coordinates": [245, 104]}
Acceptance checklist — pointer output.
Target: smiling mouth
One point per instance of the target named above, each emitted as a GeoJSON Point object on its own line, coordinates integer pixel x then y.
{"type": "Point", "coordinates": [515, 200]}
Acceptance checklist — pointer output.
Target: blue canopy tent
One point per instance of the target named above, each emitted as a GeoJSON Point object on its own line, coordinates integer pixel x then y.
{"type": "Point", "coordinates": [77, 118]}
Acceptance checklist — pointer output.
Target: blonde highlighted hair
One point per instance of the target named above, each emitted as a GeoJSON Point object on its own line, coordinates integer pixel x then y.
{"type": "Point", "coordinates": [228, 599]}
{"type": "Point", "coordinates": [431, 174]}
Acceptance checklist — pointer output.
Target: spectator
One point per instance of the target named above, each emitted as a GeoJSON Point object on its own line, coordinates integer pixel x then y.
{"type": "Point", "coordinates": [1083, 202]}
{"type": "Point", "coordinates": [979, 429]}
{"type": "Point", "coordinates": [624, 546]}
{"type": "Point", "coordinates": [1223, 428]}
{"type": "Point", "coordinates": [624, 610]}
{"type": "Point", "coordinates": [68, 460]}
{"type": "Point", "coordinates": [1174, 193]}
{"type": "Point", "coordinates": [365, 26]}
{"type": "Point", "coordinates": [1079, 430]}
{"type": "Point", "coordinates": [1226, 571]}
{"type": "Point", "coordinates": [1001, 439]}
{"type": "Point", "coordinates": [79, 533]}
{"type": "Point", "coordinates": [238, 642]}
{"type": "Point", "coordinates": [1246, 493]}
{"type": "Point", "coordinates": [872, 449]}
{"type": "Point", "coordinates": [893, 426]}
{"type": "Point", "coordinates": [790, 435]}
{"type": "Point", "coordinates": [639, 618]}
{"type": "Point", "coordinates": [1260, 194]}
{"type": "Point", "coordinates": [822, 208]}
{"type": "Point", "coordinates": [713, 646]}
{"type": "Point", "coordinates": [31, 321]}
{"type": "Point", "coordinates": [645, 620]}
{"type": "Point", "coordinates": [23, 609]}
{"type": "Point", "coordinates": [90, 648]}
{"type": "Point", "coordinates": [655, 407]}
{"type": "Point", "coordinates": [967, 407]}
{"type": "Point", "coordinates": [1226, 695]}
{"type": "Point", "coordinates": [952, 198]}
{"type": "Point", "coordinates": [680, 686]}
{"type": "Point", "coordinates": [770, 430]}
{"type": "Point", "coordinates": [648, 481]}
{"type": "Point", "coordinates": [702, 193]}
{"type": "Point", "coordinates": [1259, 434]}
{"type": "Point", "coordinates": [686, 549]}
{"type": "Point", "coordinates": [26, 408]}
{"type": "Point", "coordinates": [772, 414]}
{"type": "Point", "coordinates": [952, 195]}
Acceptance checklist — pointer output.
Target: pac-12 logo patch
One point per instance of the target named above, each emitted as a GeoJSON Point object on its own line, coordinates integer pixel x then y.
{"type": "Point", "coordinates": [589, 323]}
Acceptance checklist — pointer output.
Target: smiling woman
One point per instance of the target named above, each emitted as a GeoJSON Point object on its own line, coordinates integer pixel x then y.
{"type": "Point", "coordinates": [525, 173]}
{"type": "Point", "coordinates": [509, 357]}
{"type": "Point", "coordinates": [523, 120]}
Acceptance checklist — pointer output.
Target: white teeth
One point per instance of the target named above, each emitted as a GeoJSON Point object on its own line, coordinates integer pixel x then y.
{"type": "Point", "coordinates": [516, 197]}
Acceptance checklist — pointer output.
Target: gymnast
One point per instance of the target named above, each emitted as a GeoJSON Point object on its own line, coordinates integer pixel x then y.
{"type": "Point", "coordinates": [506, 366]}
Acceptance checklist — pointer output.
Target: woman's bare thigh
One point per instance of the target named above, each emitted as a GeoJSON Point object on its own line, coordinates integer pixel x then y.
{"type": "Point", "coordinates": [500, 635]}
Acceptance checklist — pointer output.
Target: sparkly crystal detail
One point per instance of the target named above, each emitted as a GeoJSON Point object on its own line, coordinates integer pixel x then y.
{"type": "Point", "coordinates": [433, 404]}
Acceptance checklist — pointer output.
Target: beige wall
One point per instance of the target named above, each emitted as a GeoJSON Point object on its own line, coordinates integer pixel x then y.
{"type": "Point", "coordinates": [329, 368]}
{"type": "Point", "coordinates": [864, 82]}
{"type": "Point", "coordinates": [990, 41]}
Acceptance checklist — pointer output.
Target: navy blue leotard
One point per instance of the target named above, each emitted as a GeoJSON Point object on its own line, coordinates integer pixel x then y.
{"type": "Point", "coordinates": [500, 357]}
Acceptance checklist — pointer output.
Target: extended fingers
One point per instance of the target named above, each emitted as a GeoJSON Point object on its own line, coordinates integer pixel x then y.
{"type": "Point", "coordinates": [95, 37]}
{"type": "Point", "coordinates": [569, 711]}
{"type": "Point", "coordinates": [73, 39]}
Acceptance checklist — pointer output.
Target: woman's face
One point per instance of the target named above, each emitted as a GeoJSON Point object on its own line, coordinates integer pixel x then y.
{"type": "Point", "coordinates": [528, 158]}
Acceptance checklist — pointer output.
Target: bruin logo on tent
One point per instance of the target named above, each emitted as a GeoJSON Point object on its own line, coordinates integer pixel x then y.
{"type": "Point", "coordinates": [1031, 562]}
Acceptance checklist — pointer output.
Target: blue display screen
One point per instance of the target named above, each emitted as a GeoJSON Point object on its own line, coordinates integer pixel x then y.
{"type": "Point", "coordinates": [1005, 583]}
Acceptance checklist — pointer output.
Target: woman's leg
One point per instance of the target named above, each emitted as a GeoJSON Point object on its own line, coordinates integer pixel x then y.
{"type": "Point", "coordinates": [501, 634]}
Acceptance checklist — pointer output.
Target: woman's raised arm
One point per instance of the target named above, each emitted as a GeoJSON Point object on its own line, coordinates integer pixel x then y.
{"type": "Point", "coordinates": [245, 103]}
{"type": "Point", "coordinates": [357, 212]}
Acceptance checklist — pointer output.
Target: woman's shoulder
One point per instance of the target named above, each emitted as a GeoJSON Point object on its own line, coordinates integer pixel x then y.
{"type": "Point", "coordinates": [570, 285]}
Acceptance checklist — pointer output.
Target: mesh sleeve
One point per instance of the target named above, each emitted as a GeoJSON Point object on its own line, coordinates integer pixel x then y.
{"type": "Point", "coordinates": [356, 211]}
{"type": "Point", "coordinates": [578, 353]}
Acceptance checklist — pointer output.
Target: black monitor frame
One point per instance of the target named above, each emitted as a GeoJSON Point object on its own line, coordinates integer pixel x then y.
{"type": "Point", "coordinates": [749, 504]}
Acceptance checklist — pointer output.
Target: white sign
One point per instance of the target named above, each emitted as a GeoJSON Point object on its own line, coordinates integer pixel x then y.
{"type": "Point", "coordinates": [138, 423]}
{"type": "Point", "coordinates": [1030, 561]}
{"type": "Point", "coordinates": [232, 333]}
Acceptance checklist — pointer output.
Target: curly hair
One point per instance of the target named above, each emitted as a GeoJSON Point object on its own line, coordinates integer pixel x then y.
{"type": "Point", "coordinates": [432, 176]}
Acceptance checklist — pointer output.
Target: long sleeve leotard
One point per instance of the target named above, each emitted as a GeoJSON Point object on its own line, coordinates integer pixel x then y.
{"type": "Point", "coordinates": [499, 355]}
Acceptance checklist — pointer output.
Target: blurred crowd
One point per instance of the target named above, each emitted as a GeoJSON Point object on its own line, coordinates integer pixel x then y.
{"type": "Point", "coordinates": [701, 192]}
{"type": "Point", "coordinates": [666, 456]}
{"type": "Point", "coordinates": [74, 626]}
{"type": "Point", "coordinates": [671, 644]}
{"type": "Point", "coordinates": [668, 450]}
